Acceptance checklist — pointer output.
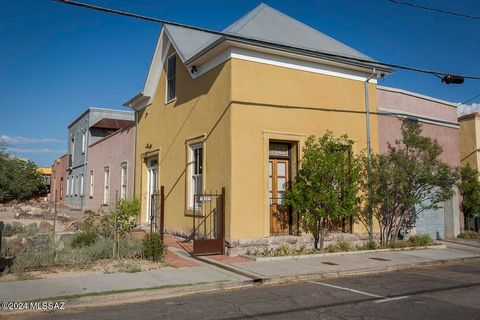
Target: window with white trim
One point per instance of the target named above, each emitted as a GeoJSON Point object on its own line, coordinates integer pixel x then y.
{"type": "Point", "coordinates": [72, 148]}
{"type": "Point", "coordinates": [196, 172]}
{"type": "Point", "coordinates": [82, 180]}
{"type": "Point", "coordinates": [72, 182]}
{"type": "Point", "coordinates": [76, 185]}
{"type": "Point", "coordinates": [106, 188]}
{"type": "Point", "coordinates": [171, 77]}
{"type": "Point", "coordinates": [123, 180]}
{"type": "Point", "coordinates": [84, 141]}
{"type": "Point", "coordinates": [91, 183]}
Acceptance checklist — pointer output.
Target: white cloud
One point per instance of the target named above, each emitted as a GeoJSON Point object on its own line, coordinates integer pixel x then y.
{"type": "Point", "coordinates": [44, 150]}
{"type": "Point", "coordinates": [27, 140]}
{"type": "Point", "coordinates": [468, 108]}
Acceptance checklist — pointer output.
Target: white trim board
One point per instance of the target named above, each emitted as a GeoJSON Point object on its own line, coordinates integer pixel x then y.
{"type": "Point", "coordinates": [280, 61]}
{"type": "Point", "coordinates": [421, 118]}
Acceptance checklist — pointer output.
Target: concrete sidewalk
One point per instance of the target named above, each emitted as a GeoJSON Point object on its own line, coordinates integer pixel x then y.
{"type": "Point", "coordinates": [94, 283]}
{"type": "Point", "coordinates": [203, 273]}
{"type": "Point", "coordinates": [355, 263]}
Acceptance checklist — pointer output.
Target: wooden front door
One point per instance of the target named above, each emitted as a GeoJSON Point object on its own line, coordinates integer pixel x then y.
{"type": "Point", "coordinates": [278, 171]}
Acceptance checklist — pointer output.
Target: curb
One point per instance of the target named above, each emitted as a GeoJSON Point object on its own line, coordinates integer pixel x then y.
{"type": "Point", "coordinates": [329, 254]}
{"type": "Point", "coordinates": [348, 273]}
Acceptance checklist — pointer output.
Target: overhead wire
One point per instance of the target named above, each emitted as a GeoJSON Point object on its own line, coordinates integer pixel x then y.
{"type": "Point", "coordinates": [417, 6]}
{"type": "Point", "coordinates": [265, 42]}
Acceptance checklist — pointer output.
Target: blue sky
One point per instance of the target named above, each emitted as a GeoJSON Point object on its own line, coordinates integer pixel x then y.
{"type": "Point", "coordinates": [56, 60]}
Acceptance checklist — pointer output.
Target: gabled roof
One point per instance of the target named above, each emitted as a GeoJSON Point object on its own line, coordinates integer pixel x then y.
{"type": "Point", "coordinates": [264, 28]}
{"type": "Point", "coordinates": [188, 42]}
{"type": "Point", "coordinates": [266, 23]}
{"type": "Point", "coordinates": [261, 24]}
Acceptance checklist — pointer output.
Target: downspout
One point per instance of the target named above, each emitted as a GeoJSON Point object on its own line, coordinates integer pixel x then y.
{"type": "Point", "coordinates": [369, 155]}
{"type": "Point", "coordinates": [135, 154]}
{"type": "Point", "coordinates": [84, 188]}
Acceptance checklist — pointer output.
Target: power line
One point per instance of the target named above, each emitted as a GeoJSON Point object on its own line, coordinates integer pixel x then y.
{"type": "Point", "coordinates": [417, 6]}
{"type": "Point", "coordinates": [264, 42]}
{"type": "Point", "coordinates": [471, 99]}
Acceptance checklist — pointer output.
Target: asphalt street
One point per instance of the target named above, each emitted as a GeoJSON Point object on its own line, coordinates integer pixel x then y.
{"type": "Point", "coordinates": [442, 292]}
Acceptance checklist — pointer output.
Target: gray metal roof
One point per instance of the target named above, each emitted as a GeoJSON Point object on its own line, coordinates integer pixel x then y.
{"type": "Point", "coordinates": [266, 23]}
{"type": "Point", "coordinates": [189, 41]}
{"type": "Point", "coordinates": [263, 24]}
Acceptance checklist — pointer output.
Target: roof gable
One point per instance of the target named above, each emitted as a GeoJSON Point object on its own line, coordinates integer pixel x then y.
{"type": "Point", "coordinates": [265, 24]}
{"type": "Point", "coordinates": [188, 42]}
{"type": "Point", "coordinates": [263, 27]}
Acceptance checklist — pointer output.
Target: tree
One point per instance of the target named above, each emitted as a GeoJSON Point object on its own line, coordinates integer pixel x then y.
{"type": "Point", "coordinates": [408, 179]}
{"type": "Point", "coordinates": [19, 179]}
{"type": "Point", "coordinates": [469, 187]}
{"type": "Point", "coordinates": [327, 186]}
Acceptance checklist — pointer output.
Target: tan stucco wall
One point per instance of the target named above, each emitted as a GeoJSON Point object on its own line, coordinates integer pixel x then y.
{"type": "Point", "coordinates": [469, 139]}
{"type": "Point", "coordinates": [200, 113]}
{"type": "Point", "coordinates": [276, 103]}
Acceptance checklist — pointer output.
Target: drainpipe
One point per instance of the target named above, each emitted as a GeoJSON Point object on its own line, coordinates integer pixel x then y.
{"type": "Point", "coordinates": [369, 154]}
{"type": "Point", "coordinates": [87, 131]}
{"type": "Point", "coordinates": [135, 154]}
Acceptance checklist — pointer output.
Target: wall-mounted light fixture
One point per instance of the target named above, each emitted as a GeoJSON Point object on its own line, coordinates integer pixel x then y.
{"type": "Point", "coordinates": [148, 146]}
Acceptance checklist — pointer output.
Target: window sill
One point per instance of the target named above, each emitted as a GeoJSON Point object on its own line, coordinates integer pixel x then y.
{"type": "Point", "coordinates": [170, 101]}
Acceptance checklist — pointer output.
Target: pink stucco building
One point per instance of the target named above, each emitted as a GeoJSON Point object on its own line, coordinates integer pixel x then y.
{"type": "Point", "coordinates": [58, 178]}
{"type": "Point", "coordinates": [439, 121]}
{"type": "Point", "coordinates": [110, 170]}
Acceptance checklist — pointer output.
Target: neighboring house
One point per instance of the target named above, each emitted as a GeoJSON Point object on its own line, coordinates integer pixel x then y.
{"type": "Point", "coordinates": [91, 126]}
{"type": "Point", "coordinates": [57, 187]}
{"type": "Point", "coordinates": [46, 173]}
{"type": "Point", "coordinates": [470, 140]}
{"type": "Point", "coordinates": [439, 121]}
{"type": "Point", "coordinates": [223, 111]}
{"type": "Point", "coordinates": [110, 168]}
{"type": "Point", "coordinates": [470, 148]}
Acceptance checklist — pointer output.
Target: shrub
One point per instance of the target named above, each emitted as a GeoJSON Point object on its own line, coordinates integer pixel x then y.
{"type": "Point", "coordinates": [107, 225]}
{"type": "Point", "coordinates": [128, 266]}
{"type": "Point", "coordinates": [420, 240]}
{"type": "Point", "coordinates": [469, 235]}
{"type": "Point", "coordinates": [84, 238]}
{"type": "Point", "coordinates": [397, 244]}
{"type": "Point", "coordinates": [11, 230]}
{"type": "Point", "coordinates": [126, 216]}
{"type": "Point", "coordinates": [345, 245]}
{"type": "Point", "coordinates": [370, 245]}
{"type": "Point", "coordinates": [331, 248]}
{"type": "Point", "coordinates": [284, 250]}
{"type": "Point", "coordinates": [78, 257]}
{"type": "Point", "coordinates": [153, 247]}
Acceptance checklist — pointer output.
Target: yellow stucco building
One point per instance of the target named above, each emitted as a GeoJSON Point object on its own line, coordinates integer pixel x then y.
{"type": "Point", "coordinates": [233, 110]}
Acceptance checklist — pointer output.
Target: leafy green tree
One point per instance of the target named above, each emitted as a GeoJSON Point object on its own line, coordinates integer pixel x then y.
{"type": "Point", "coordinates": [408, 179]}
{"type": "Point", "coordinates": [469, 187]}
{"type": "Point", "coordinates": [327, 186]}
{"type": "Point", "coordinates": [19, 179]}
